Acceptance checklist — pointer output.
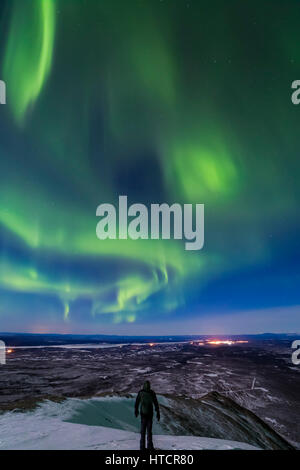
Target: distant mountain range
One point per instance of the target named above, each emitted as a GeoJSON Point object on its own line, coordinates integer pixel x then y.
{"type": "Point", "coordinates": [33, 339]}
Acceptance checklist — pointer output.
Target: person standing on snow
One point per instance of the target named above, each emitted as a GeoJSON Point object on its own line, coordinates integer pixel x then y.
{"type": "Point", "coordinates": [145, 400]}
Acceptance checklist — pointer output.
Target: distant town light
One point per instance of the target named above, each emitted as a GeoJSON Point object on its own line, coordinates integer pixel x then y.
{"type": "Point", "coordinates": [228, 342]}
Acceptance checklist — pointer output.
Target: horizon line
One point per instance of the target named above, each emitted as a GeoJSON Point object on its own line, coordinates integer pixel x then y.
{"type": "Point", "coordinates": [149, 336]}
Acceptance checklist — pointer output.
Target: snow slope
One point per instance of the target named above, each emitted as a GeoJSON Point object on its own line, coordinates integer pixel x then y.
{"type": "Point", "coordinates": [46, 428]}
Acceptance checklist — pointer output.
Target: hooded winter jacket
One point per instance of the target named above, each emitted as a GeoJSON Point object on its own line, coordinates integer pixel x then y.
{"type": "Point", "coordinates": [145, 399]}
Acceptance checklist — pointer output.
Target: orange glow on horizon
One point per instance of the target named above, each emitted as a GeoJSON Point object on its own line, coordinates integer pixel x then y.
{"type": "Point", "coordinates": [228, 342]}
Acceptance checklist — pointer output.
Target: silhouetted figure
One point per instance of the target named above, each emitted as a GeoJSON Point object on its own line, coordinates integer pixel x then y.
{"type": "Point", "coordinates": [145, 399]}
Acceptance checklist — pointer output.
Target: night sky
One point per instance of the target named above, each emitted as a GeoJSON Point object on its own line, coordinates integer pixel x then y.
{"type": "Point", "coordinates": [163, 101]}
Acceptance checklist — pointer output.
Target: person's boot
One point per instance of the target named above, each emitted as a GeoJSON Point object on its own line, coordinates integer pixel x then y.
{"type": "Point", "coordinates": [150, 446]}
{"type": "Point", "coordinates": [142, 446]}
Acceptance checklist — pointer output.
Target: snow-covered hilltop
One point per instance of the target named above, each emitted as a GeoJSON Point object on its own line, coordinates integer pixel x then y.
{"type": "Point", "coordinates": [37, 431]}
{"type": "Point", "coordinates": [108, 423]}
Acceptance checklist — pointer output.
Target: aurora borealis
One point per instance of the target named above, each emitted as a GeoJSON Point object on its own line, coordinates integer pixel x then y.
{"type": "Point", "coordinates": [162, 101]}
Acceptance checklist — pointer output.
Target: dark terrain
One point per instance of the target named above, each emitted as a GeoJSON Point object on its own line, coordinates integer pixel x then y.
{"type": "Point", "coordinates": [177, 370]}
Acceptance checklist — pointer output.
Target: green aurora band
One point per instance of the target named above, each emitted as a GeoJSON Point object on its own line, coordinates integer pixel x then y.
{"type": "Point", "coordinates": [29, 52]}
{"type": "Point", "coordinates": [99, 91]}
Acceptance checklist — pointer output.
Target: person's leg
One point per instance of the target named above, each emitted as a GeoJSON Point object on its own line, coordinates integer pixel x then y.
{"type": "Point", "coordinates": [149, 433]}
{"type": "Point", "coordinates": [143, 432]}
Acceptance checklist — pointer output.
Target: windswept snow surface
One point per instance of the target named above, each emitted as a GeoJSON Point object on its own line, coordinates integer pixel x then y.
{"type": "Point", "coordinates": [46, 428]}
